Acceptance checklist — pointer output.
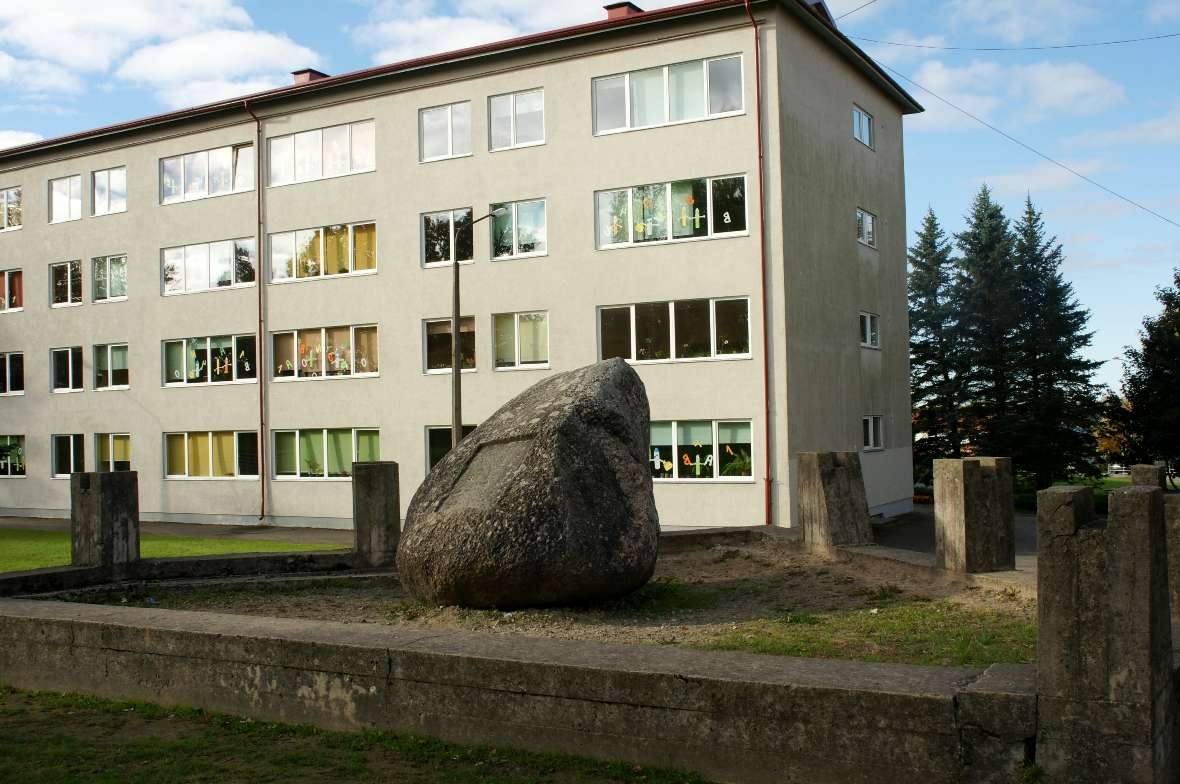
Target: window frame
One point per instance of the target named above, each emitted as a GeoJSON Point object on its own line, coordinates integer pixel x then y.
{"type": "Point", "coordinates": [71, 178]}
{"type": "Point", "coordinates": [467, 430]}
{"type": "Point", "coordinates": [6, 290]}
{"type": "Point", "coordinates": [867, 238]}
{"type": "Point", "coordinates": [164, 290]}
{"type": "Point", "coordinates": [517, 365]}
{"type": "Point", "coordinates": [712, 235]}
{"type": "Point", "coordinates": [873, 432]}
{"type": "Point", "coordinates": [516, 254]}
{"type": "Point", "coordinates": [514, 95]}
{"type": "Point", "coordinates": [713, 355]}
{"type": "Point", "coordinates": [109, 351]}
{"type": "Point", "coordinates": [353, 272]}
{"type": "Point", "coordinates": [324, 436]}
{"type": "Point", "coordinates": [323, 376]}
{"type": "Point", "coordinates": [863, 121]}
{"type": "Point", "coordinates": [238, 475]}
{"type": "Point", "coordinates": [451, 220]}
{"type": "Point", "coordinates": [667, 97]}
{"type": "Point", "coordinates": [110, 445]}
{"type": "Point", "coordinates": [6, 464]}
{"type": "Point", "coordinates": [106, 260]}
{"type": "Point", "coordinates": [270, 140]}
{"type": "Point", "coordinates": [426, 369]}
{"type": "Point", "coordinates": [4, 202]}
{"type": "Point", "coordinates": [185, 383]}
{"type": "Point", "coordinates": [71, 302]}
{"type": "Point", "coordinates": [870, 330]}
{"type": "Point", "coordinates": [6, 373]}
{"type": "Point", "coordinates": [717, 477]}
{"type": "Point", "coordinates": [451, 154]}
{"type": "Point", "coordinates": [94, 213]}
{"type": "Point", "coordinates": [183, 197]}
{"type": "Point", "coordinates": [80, 381]}
{"type": "Point", "coordinates": [77, 443]}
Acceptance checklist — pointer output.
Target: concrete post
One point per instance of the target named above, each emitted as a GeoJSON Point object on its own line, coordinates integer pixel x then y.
{"type": "Point", "coordinates": [1156, 476]}
{"type": "Point", "coordinates": [376, 511]}
{"type": "Point", "coordinates": [104, 518]}
{"type": "Point", "coordinates": [1106, 697]}
{"type": "Point", "coordinates": [974, 515]}
{"type": "Point", "coordinates": [833, 509]}
{"type": "Point", "coordinates": [1149, 476]}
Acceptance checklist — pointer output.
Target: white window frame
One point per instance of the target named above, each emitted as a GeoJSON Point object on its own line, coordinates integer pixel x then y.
{"type": "Point", "coordinates": [81, 381]}
{"type": "Point", "coordinates": [667, 97]}
{"type": "Point", "coordinates": [451, 217]}
{"type": "Point", "coordinates": [352, 328]}
{"type": "Point", "coordinates": [450, 107]}
{"type": "Point", "coordinates": [872, 433]}
{"type": "Point", "coordinates": [353, 271]}
{"type": "Point", "coordinates": [514, 95]}
{"type": "Point", "coordinates": [713, 355]}
{"type": "Point", "coordinates": [106, 260]}
{"type": "Point", "coordinates": [183, 197]}
{"type": "Point", "coordinates": [426, 370]}
{"type": "Point", "coordinates": [866, 228]}
{"type": "Point", "coordinates": [8, 390]}
{"type": "Point", "coordinates": [712, 235]}
{"type": "Point", "coordinates": [447, 429]}
{"type": "Point", "coordinates": [76, 439]}
{"type": "Point", "coordinates": [237, 477]}
{"type": "Point", "coordinates": [20, 452]}
{"type": "Point", "coordinates": [184, 382]}
{"type": "Point", "coordinates": [6, 290]}
{"type": "Point", "coordinates": [184, 249]}
{"type": "Point", "coordinates": [516, 366]}
{"type": "Point", "coordinates": [270, 183]}
{"type": "Point", "coordinates": [862, 126]}
{"type": "Point", "coordinates": [870, 330]}
{"type": "Point", "coordinates": [324, 435]}
{"type": "Point", "coordinates": [8, 198]}
{"type": "Point", "coordinates": [75, 183]}
{"type": "Point", "coordinates": [108, 349]}
{"type": "Point", "coordinates": [716, 478]}
{"type": "Point", "coordinates": [516, 254]}
{"type": "Point", "coordinates": [110, 439]}
{"type": "Point", "coordinates": [109, 174]}
{"type": "Point", "coordinates": [69, 303]}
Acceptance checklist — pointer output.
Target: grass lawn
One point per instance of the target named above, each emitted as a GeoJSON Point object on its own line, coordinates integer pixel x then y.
{"type": "Point", "coordinates": [20, 549]}
{"type": "Point", "coordinates": [49, 737]}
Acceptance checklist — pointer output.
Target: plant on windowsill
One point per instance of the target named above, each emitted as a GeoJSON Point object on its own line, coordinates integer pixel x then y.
{"type": "Point", "coordinates": [739, 465]}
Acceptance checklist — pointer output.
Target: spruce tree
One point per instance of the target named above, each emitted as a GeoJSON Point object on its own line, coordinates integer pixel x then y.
{"type": "Point", "coordinates": [1151, 376]}
{"type": "Point", "coordinates": [937, 385]}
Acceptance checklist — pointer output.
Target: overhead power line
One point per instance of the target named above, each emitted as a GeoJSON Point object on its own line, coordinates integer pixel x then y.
{"type": "Point", "coordinates": [854, 10]}
{"type": "Point", "coordinates": [1030, 149]}
{"type": "Point", "coordinates": [1008, 48]}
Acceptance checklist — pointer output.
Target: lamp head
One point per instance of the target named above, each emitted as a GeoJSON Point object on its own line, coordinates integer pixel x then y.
{"type": "Point", "coordinates": [499, 212]}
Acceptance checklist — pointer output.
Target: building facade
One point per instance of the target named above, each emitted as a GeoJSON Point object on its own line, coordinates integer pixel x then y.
{"type": "Point", "coordinates": [240, 300]}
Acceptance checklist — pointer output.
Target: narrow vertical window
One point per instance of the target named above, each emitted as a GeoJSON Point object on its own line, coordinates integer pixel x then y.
{"type": "Point", "coordinates": [871, 426]}
{"type": "Point", "coordinates": [221, 171]}
{"type": "Point", "coordinates": [516, 120]}
{"type": "Point", "coordinates": [12, 374]}
{"type": "Point", "coordinates": [196, 175]}
{"type": "Point", "coordinates": [866, 228]}
{"type": "Point", "coordinates": [445, 132]}
{"type": "Point", "coordinates": [725, 85]}
{"type": "Point", "coordinates": [12, 456]}
{"type": "Point", "coordinates": [686, 92]}
{"type": "Point", "coordinates": [69, 455]}
{"type": "Point", "coordinates": [647, 98]}
{"type": "Point", "coordinates": [112, 452]}
{"type": "Point", "coordinates": [244, 168]}
{"type": "Point", "coordinates": [610, 104]}
{"type": "Point", "coordinates": [10, 209]}
{"type": "Point", "coordinates": [694, 451]}
{"type": "Point", "coordinates": [109, 192]}
{"type": "Point", "coordinates": [438, 443]}
{"type": "Point", "coordinates": [309, 164]}
{"type": "Point", "coordinates": [65, 282]}
{"type": "Point", "coordinates": [65, 199]}
{"type": "Point", "coordinates": [870, 330]}
{"type": "Point", "coordinates": [522, 230]}
{"type": "Point", "coordinates": [615, 332]}
{"type": "Point", "coordinates": [521, 339]}
{"type": "Point", "coordinates": [862, 126]}
{"type": "Point", "coordinates": [438, 344]}
{"type": "Point", "coordinates": [14, 290]}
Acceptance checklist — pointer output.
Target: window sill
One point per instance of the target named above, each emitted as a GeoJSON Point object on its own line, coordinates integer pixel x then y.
{"type": "Point", "coordinates": [105, 214]}
{"type": "Point", "coordinates": [873, 348]}
{"type": "Point", "coordinates": [521, 256]}
{"type": "Point", "coordinates": [321, 179]}
{"type": "Point", "coordinates": [14, 476]}
{"type": "Point", "coordinates": [113, 388]}
{"type": "Point", "coordinates": [12, 394]}
{"type": "Point", "coordinates": [446, 264]}
{"type": "Point", "coordinates": [182, 200]}
{"type": "Point", "coordinates": [204, 291]}
{"type": "Point", "coordinates": [717, 480]}
{"type": "Point", "coordinates": [66, 391]}
{"type": "Point", "coordinates": [65, 305]}
{"type": "Point", "coordinates": [12, 228]}
{"type": "Point", "coordinates": [210, 478]}
{"type": "Point", "coordinates": [673, 124]}
{"type": "Point", "coordinates": [66, 220]}
{"type": "Point", "coordinates": [285, 281]}
{"type": "Point", "coordinates": [108, 300]}
{"type": "Point", "coordinates": [446, 372]}
{"type": "Point", "coordinates": [873, 449]}
{"type": "Point", "coordinates": [867, 245]}
{"type": "Point", "coordinates": [12, 310]}
{"type": "Point", "coordinates": [518, 368]}
{"type": "Point", "coordinates": [655, 243]}
{"type": "Point", "coordinates": [518, 146]}
{"type": "Point", "coordinates": [297, 379]}
{"type": "Point", "coordinates": [313, 479]}
{"type": "Point", "coordinates": [446, 158]}
{"type": "Point", "coordinates": [689, 360]}
{"type": "Point", "coordinates": [203, 384]}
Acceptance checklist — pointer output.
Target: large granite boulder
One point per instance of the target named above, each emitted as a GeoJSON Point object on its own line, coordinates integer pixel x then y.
{"type": "Point", "coordinates": [548, 502]}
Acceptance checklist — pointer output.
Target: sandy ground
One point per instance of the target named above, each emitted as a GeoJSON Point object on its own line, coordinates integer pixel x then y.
{"type": "Point", "coordinates": [692, 597]}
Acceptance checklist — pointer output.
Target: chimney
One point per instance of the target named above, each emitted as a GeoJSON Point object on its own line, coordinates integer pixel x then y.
{"type": "Point", "coordinates": [619, 10]}
{"type": "Point", "coordinates": [308, 75]}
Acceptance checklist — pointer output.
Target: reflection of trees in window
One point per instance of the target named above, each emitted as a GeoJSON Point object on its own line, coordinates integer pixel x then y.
{"type": "Point", "coordinates": [652, 337]}
{"type": "Point", "coordinates": [436, 232]}
{"type": "Point", "coordinates": [692, 328]}
{"type": "Point", "coordinates": [244, 261]}
{"type": "Point", "coordinates": [733, 326]}
{"type": "Point", "coordinates": [729, 204]}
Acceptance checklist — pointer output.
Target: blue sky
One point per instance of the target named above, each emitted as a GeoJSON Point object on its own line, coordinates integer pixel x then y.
{"type": "Point", "coordinates": [1112, 113]}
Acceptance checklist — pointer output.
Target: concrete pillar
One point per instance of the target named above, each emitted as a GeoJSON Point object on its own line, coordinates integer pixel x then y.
{"type": "Point", "coordinates": [376, 511]}
{"type": "Point", "coordinates": [833, 509]}
{"type": "Point", "coordinates": [1149, 476]}
{"type": "Point", "coordinates": [104, 518]}
{"type": "Point", "coordinates": [974, 515]}
{"type": "Point", "coordinates": [1106, 696]}
{"type": "Point", "coordinates": [1156, 476]}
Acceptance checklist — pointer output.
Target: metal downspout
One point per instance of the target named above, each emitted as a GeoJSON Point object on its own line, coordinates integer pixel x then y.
{"type": "Point", "coordinates": [259, 365]}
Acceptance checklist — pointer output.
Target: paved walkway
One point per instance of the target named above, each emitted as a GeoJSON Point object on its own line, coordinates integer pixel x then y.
{"type": "Point", "coordinates": [915, 532]}
{"type": "Point", "coordinates": [256, 533]}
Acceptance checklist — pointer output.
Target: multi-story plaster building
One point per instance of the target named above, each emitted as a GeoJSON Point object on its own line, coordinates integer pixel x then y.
{"type": "Point", "coordinates": [714, 191]}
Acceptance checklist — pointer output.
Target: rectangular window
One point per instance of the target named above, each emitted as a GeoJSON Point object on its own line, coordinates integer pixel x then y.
{"type": "Point", "coordinates": [112, 452]}
{"type": "Point", "coordinates": [325, 353]}
{"type": "Point", "coordinates": [519, 232]}
{"type": "Point", "coordinates": [12, 374]}
{"type": "Point", "coordinates": [110, 367]}
{"type": "Point", "coordinates": [210, 265]}
{"type": "Point", "coordinates": [439, 346]}
{"type": "Point", "coordinates": [221, 454]}
{"type": "Point", "coordinates": [438, 443]}
{"type": "Point", "coordinates": [10, 209]}
{"type": "Point", "coordinates": [521, 340]}
{"type": "Point", "coordinates": [862, 126]}
{"type": "Point", "coordinates": [866, 228]}
{"type": "Point", "coordinates": [320, 454]}
{"type": "Point", "coordinates": [329, 250]}
{"type": "Point", "coordinates": [66, 367]}
{"type": "Point", "coordinates": [69, 455]}
{"type": "Point", "coordinates": [65, 199]}
{"type": "Point", "coordinates": [326, 152]}
{"type": "Point", "coordinates": [12, 455]}
{"type": "Point", "coordinates": [870, 330]}
{"type": "Point", "coordinates": [12, 290]}
{"type": "Point", "coordinates": [671, 94]}
{"type": "Point", "coordinates": [447, 236]}
{"type": "Point", "coordinates": [516, 120]}
{"type": "Point", "coordinates": [108, 191]}
{"type": "Point", "coordinates": [668, 331]}
{"type": "Point", "coordinates": [199, 175]}
{"type": "Point", "coordinates": [671, 211]}
{"type": "Point", "coordinates": [109, 283]}
{"type": "Point", "coordinates": [872, 433]}
{"type": "Point", "coordinates": [701, 449]}
{"type": "Point", "coordinates": [212, 360]}
{"type": "Point", "coordinates": [445, 132]}
{"type": "Point", "coordinates": [65, 281]}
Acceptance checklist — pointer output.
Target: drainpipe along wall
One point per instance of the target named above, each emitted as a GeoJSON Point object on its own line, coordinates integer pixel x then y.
{"type": "Point", "coordinates": [259, 236]}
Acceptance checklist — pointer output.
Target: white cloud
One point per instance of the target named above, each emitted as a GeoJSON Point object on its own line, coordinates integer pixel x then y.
{"type": "Point", "coordinates": [1164, 11]}
{"type": "Point", "coordinates": [895, 55]}
{"type": "Point", "coordinates": [841, 7]}
{"type": "Point", "coordinates": [36, 76]}
{"type": "Point", "coordinates": [1017, 21]}
{"type": "Point", "coordinates": [17, 138]}
{"type": "Point", "coordinates": [1044, 176]}
{"type": "Point", "coordinates": [1161, 130]}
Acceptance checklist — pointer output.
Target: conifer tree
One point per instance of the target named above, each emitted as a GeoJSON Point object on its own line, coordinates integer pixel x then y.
{"type": "Point", "coordinates": [1151, 378]}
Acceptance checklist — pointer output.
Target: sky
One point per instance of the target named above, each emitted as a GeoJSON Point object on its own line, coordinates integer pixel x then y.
{"type": "Point", "coordinates": [1111, 113]}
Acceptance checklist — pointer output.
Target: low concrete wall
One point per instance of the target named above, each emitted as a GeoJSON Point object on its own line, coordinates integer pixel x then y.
{"type": "Point", "coordinates": [732, 717]}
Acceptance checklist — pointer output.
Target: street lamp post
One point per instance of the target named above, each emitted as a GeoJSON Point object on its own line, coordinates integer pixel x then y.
{"type": "Point", "coordinates": [456, 352]}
